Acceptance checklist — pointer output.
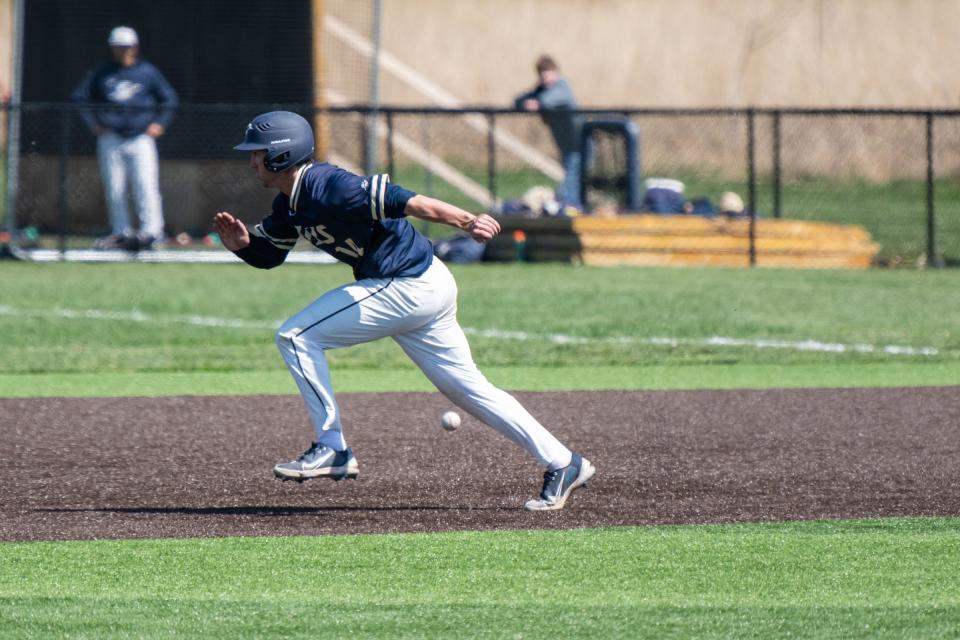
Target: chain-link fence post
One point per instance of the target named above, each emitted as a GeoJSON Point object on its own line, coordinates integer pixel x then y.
{"type": "Point", "coordinates": [777, 191]}
{"type": "Point", "coordinates": [752, 184]}
{"type": "Point", "coordinates": [391, 158]}
{"type": "Point", "coordinates": [13, 117]}
{"type": "Point", "coordinates": [933, 259]}
{"type": "Point", "coordinates": [492, 156]}
{"type": "Point", "coordinates": [63, 197]}
{"type": "Point", "coordinates": [370, 159]}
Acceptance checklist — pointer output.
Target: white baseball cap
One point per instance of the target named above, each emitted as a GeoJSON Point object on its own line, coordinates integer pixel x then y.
{"type": "Point", "coordinates": [123, 37]}
{"type": "Point", "coordinates": [730, 202]}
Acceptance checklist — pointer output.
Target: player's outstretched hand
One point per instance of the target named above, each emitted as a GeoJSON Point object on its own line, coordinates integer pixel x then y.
{"type": "Point", "coordinates": [484, 227]}
{"type": "Point", "coordinates": [233, 233]}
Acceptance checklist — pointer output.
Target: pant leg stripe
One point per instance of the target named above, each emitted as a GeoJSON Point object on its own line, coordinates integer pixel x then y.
{"type": "Point", "coordinates": [352, 304]}
{"type": "Point", "coordinates": [296, 351]}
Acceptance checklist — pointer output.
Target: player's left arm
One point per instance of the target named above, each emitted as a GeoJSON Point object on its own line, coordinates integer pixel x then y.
{"type": "Point", "coordinates": [480, 227]}
{"type": "Point", "coordinates": [167, 102]}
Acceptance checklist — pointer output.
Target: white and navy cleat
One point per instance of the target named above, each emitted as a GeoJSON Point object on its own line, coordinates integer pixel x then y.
{"type": "Point", "coordinates": [319, 461]}
{"type": "Point", "coordinates": [560, 483]}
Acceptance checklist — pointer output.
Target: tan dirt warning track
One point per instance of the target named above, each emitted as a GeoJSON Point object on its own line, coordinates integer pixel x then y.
{"type": "Point", "coordinates": [200, 466]}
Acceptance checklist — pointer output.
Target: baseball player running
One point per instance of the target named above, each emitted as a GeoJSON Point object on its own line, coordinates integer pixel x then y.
{"type": "Point", "coordinates": [401, 291]}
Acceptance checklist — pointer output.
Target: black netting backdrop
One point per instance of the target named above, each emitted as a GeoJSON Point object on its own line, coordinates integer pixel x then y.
{"type": "Point", "coordinates": [211, 51]}
{"type": "Point", "coordinates": [228, 60]}
{"type": "Point", "coordinates": [232, 59]}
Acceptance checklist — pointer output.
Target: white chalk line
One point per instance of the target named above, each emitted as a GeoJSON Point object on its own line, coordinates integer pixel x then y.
{"type": "Point", "coordinates": [136, 316]}
{"type": "Point", "coordinates": [554, 338]}
{"type": "Point", "coordinates": [716, 341]}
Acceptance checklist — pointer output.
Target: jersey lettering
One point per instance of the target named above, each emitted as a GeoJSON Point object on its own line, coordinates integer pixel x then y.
{"type": "Point", "coordinates": [318, 235]}
{"type": "Point", "coordinates": [354, 250]}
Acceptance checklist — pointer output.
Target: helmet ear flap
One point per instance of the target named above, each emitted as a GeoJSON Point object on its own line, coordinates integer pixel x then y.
{"type": "Point", "coordinates": [276, 161]}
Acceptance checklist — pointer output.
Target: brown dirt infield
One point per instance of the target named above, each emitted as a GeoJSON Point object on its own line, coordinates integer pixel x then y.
{"type": "Point", "coordinates": [200, 466]}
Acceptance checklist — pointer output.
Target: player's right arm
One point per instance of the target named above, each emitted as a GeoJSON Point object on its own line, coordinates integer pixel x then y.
{"type": "Point", "coordinates": [527, 101]}
{"type": "Point", "coordinates": [265, 247]}
{"type": "Point", "coordinates": [233, 233]}
{"type": "Point", "coordinates": [83, 95]}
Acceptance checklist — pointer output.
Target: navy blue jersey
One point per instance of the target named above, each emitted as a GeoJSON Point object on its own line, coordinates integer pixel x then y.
{"type": "Point", "coordinates": [355, 219]}
{"type": "Point", "coordinates": [140, 92]}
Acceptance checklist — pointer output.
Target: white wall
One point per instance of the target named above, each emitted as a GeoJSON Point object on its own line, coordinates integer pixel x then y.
{"type": "Point", "coordinates": [830, 53]}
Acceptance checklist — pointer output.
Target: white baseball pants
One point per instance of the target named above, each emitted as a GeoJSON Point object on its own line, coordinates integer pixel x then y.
{"type": "Point", "coordinates": [420, 314]}
{"type": "Point", "coordinates": [132, 160]}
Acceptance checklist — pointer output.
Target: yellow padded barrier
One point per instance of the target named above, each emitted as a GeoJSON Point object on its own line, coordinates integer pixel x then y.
{"type": "Point", "coordinates": [693, 240]}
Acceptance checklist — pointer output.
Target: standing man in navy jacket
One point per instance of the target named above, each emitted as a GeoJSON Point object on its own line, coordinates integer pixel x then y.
{"type": "Point", "coordinates": [130, 105]}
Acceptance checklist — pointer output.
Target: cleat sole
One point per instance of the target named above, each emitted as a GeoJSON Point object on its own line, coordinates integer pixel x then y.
{"type": "Point", "coordinates": [299, 479]}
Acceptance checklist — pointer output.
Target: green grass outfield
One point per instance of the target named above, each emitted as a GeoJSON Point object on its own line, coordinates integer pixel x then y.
{"type": "Point", "coordinates": [159, 329]}
{"type": "Point", "coordinates": [130, 329]}
{"type": "Point", "coordinates": [849, 579]}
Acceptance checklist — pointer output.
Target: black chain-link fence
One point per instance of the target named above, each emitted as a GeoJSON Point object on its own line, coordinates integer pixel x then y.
{"type": "Point", "coordinates": [893, 172]}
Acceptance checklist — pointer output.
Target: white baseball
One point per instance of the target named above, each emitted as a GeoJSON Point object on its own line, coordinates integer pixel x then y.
{"type": "Point", "coordinates": [450, 420]}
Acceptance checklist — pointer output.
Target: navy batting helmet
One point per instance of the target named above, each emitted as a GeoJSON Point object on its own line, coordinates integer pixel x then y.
{"type": "Point", "coordinates": [285, 136]}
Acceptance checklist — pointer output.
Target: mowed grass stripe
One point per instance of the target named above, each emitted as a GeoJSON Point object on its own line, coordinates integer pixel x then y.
{"type": "Point", "coordinates": [277, 381]}
{"type": "Point", "coordinates": [867, 578]}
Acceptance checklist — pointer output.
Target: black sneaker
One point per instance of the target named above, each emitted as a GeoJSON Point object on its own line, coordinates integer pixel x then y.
{"type": "Point", "coordinates": [319, 462]}
{"type": "Point", "coordinates": [146, 242]}
{"type": "Point", "coordinates": [111, 242]}
{"type": "Point", "coordinates": [560, 483]}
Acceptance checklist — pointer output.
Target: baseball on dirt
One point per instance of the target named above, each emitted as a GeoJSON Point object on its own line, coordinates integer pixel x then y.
{"type": "Point", "coordinates": [450, 420]}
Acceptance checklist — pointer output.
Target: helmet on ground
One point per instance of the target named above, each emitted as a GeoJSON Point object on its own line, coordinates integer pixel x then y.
{"type": "Point", "coordinates": [285, 136]}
